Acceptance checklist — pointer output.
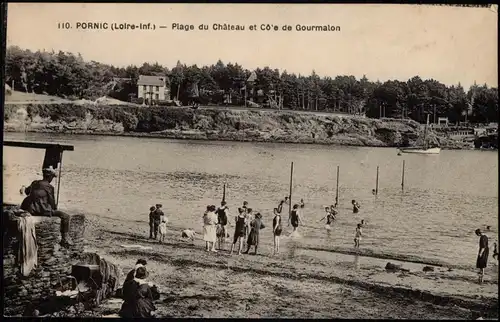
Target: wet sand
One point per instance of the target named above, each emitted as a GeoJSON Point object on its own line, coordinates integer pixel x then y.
{"type": "Point", "coordinates": [299, 282]}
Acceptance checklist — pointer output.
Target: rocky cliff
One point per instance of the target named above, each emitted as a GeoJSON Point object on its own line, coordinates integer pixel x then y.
{"type": "Point", "coordinates": [216, 124]}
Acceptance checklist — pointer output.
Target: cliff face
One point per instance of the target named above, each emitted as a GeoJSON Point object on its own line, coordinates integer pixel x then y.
{"type": "Point", "coordinates": [214, 124]}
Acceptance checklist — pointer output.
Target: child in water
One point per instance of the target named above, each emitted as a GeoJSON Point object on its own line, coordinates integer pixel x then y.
{"type": "Point", "coordinates": [355, 207]}
{"type": "Point", "coordinates": [357, 236]}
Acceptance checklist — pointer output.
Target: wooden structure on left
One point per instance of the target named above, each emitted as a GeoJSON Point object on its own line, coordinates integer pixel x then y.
{"type": "Point", "coordinates": [39, 291]}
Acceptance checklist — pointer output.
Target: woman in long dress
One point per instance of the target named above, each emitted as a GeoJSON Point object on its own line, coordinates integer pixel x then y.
{"type": "Point", "coordinates": [138, 296]}
{"type": "Point", "coordinates": [482, 255]}
{"type": "Point", "coordinates": [210, 228]}
{"type": "Point", "coordinates": [253, 237]}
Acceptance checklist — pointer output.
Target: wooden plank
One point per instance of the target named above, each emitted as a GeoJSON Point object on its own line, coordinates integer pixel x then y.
{"type": "Point", "coordinates": [38, 145]}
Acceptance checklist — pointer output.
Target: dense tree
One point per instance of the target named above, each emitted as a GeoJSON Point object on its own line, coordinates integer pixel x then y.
{"type": "Point", "coordinates": [68, 75]}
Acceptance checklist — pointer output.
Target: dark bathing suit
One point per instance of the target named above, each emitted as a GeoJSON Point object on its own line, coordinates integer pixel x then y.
{"type": "Point", "coordinates": [329, 219]}
{"type": "Point", "coordinates": [483, 260]}
{"type": "Point", "coordinates": [294, 218]}
{"type": "Point", "coordinates": [278, 230]}
{"type": "Point", "coordinates": [239, 231]}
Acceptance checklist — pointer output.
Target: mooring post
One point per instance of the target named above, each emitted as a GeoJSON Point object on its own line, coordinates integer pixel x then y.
{"type": "Point", "coordinates": [403, 177]}
{"type": "Point", "coordinates": [376, 185]}
{"type": "Point", "coordinates": [337, 190]}
{"type": "Point", "coordinates": [224, 192]}
{"type": "Point", "coordinates": [59, 178]}
{"type": "Point", "coordinates": [290, 195]}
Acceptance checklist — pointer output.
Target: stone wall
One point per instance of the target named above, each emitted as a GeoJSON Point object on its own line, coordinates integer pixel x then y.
{"type": "Point", "coordinates": [23, 294]}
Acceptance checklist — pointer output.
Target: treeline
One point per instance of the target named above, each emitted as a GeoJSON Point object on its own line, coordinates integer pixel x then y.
{"type": "Point", "coordinates": [68, 75]}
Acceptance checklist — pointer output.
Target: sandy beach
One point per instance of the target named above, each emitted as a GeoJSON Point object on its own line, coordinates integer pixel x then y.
{"type": "Point", "coordinates": [297, 283]}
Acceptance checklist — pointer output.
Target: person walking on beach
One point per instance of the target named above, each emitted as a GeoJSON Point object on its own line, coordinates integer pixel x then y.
{"type": "Point", "coordinates": [239, 230]}
{"type": "Point", "coordinates": [295, 218]}
{"type": "Point", "coordinates": [222, 214]}
{"type": "Point", "coordinates": [151, 221]}
{"type": "Point", "coordinates": [357, 236]}
{"type": "Point", "coordinates": [40, 201]}
{"type": "Point", "coordinates": [209, 228]}
{"type": "Point", "coordinates": [277, 229]}
{"type": "Point", "coordinates": [482, 255]}
{"type": "Point", "coordinates": [355, 207]}
{"type": "Point", "coordinates": [253, 237]}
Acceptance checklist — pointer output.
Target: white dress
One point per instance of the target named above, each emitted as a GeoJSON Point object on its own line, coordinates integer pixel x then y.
{"type": "Point", "coordinates": [209, 227]}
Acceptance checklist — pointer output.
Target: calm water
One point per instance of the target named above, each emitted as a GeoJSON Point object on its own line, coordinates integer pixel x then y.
{"type": "Point", "coordinates": [446, 196]}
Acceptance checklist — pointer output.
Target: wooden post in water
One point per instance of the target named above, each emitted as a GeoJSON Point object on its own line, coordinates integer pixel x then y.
{"type": "Point", "coordinates": [403, 177]}
{"type": "Point", "coordinates": [224, 193]}
{"type": "Point", "coordinates": [290, 196]}
{"type": "Point", "coordinates": [337, 190]}
{"type": "Point", "coordinates": [376, 184]}
{"type": "Point", "coordinates": [59, 179]}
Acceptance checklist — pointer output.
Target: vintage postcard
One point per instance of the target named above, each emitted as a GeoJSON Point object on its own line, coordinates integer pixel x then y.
{"type": "Point", "coordinates": [251, 161]}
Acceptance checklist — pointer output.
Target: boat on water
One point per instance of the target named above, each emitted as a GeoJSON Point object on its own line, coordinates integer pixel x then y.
{"type": "Point", "coordinates": [425, 149]}
{"type": "Point", "coordinates": [435, 150]}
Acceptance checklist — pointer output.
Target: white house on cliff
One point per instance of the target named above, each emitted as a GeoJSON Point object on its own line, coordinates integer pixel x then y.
{"type": "Point", "coordinates": [153, 88]}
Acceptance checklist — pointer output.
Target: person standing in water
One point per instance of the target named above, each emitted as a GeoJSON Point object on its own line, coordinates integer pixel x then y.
{"type": "Point", "coordinates": [253, 238]}
{"type": "Point", "coordinates": [495, 251]}
{"type": "Point", "coordinates": [355, 207]}
{"type": "Point", "coordinates": [281, 204]}
{"type": "Point", "coordinates": [302, 204]}
{"type": "Point", "coordinates": [295, 218]}
{"type": "Point", "coordinates": [330, 217]}
{"type": "Point", "coordinates": [482, 255]}
{"type": "Point", "coordinates": [239, 230]}
{"type": "Point", "coordinates": [357, 236]}
{"type": "Point", "coordinates": [277, 229]}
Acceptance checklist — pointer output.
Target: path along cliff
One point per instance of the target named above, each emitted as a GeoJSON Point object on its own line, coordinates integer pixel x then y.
{"type": "Point", "coordinates": [217, 124]}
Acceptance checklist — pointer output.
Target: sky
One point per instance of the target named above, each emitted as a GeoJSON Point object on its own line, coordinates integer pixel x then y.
{"type": "Point", "coordinates": [381, 41]}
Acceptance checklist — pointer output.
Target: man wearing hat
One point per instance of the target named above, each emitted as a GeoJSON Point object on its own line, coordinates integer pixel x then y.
{"type": "Point", "coordinates": [40, 201]}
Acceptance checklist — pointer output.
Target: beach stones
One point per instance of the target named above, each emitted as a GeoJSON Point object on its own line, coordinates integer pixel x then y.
{"type": "Point", "coordinates": [428, 269]}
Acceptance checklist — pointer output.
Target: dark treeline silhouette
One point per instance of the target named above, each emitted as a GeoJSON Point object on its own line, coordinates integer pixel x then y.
{"type": "Point", "coordinates": [68, 75]}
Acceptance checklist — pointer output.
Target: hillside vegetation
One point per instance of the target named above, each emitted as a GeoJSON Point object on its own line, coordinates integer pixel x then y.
{"type": "Point", "coordinates": [213, 124]}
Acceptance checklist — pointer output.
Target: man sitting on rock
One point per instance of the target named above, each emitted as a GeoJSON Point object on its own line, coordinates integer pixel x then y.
{"type": "Point", "coordinates": [40, 201]}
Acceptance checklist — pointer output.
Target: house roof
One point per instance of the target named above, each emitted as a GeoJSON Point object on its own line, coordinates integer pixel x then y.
{"type": "Point", "coordinates": [152, 80]}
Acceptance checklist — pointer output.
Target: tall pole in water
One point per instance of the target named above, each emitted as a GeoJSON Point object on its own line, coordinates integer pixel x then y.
{"type": "Point", "coordinates": [376, 186]}
{"type": "Point", "coordinates": [337, 190]}
{"type": "Point", "coordinates": [403, 177]}
{"type": "Point", "coordinates": [224, 192]}
{"type": "Point", "coordinates": [290, 196]}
